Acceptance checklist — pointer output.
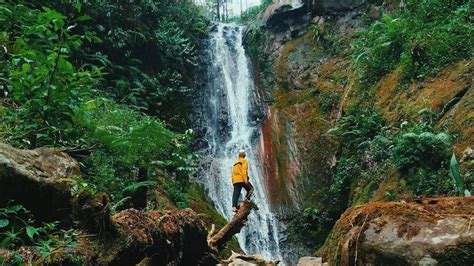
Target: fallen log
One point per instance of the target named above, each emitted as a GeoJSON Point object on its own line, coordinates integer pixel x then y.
{"type": "Point", "coordinates": [216, 241]}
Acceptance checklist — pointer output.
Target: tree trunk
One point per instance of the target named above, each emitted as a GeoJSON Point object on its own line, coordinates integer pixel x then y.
{"type": "Point", "coordinates": [217, 240]}
{"type": "Point", "coordinates": [139, 196]}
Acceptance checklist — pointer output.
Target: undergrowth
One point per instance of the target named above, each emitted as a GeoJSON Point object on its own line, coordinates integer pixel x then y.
{"type": "Point", "coordinates": [48, 243]}
{"type": "Point", "coordinates": [422, 37]}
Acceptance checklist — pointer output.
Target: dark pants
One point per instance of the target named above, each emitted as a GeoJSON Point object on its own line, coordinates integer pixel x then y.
{"type": "Point", "coordinates": [237, 189]}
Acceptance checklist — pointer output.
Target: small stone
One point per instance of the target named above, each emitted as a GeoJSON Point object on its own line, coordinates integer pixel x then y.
{"type": "Point", "coordinates": [428, 261]}
{"type": "Point", "coordinates": [310, 261]}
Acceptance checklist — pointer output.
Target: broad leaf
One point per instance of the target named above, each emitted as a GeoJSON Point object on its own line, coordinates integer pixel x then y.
{"type": "Point", "coordinates": [4, 223]}
{"type": "Point", "coordinates": [31, 231]}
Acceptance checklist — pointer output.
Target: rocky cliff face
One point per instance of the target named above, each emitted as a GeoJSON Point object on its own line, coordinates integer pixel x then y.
{"type": "Point", "coordinates": [314, 83]}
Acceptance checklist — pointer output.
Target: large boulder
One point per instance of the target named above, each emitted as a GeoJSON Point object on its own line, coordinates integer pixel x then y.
{"type": "Point", "coordinates": [429, 232]}
{"type": "Point", "coordinates": [40, 179]}
{"type": "Point", "coordinates": [310, 261]}
{"type": "Point", "coordinates": [285, 19]}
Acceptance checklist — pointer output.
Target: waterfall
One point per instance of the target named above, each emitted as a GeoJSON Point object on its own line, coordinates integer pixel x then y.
{"type": "Point", "coordinates": [226, 121]}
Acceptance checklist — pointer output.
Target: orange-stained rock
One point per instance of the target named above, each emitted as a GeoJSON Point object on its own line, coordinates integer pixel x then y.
{"type": "Point", "coordinates": [450, 95]}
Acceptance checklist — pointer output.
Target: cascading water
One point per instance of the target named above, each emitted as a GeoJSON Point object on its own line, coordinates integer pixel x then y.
{"type": "Point", "coordinates": [226, 120]}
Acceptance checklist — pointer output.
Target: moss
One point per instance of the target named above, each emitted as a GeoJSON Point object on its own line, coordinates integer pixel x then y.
{"type": "Point", "coordinates": [460, 255]}
{"type": "Point", "coordinates": [398, 103]}
{"type": "Point", "coordinates": [285, 99]}
{"type": "Point", "coordinates": [394, 186]}
{"type": "Point", "coordinates": [342, 244]}
{"type": "Point", "coordinates": [199, 203]}
{"type": "Point", "coordinates": [281, 67]}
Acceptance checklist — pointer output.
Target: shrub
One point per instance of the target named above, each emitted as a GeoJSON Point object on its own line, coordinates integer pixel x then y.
{"type": "Point", "coordinates": [150, 53]}
{"type": "Point", "coordinates": [130, 143]}
{"type": "Point", "coordinates": [357, 128]}
{"type": "Point", "coordinates": [426, 181]}
{"type": "Point", "coordinates": [423, 157]}
{"type": "Point", "coordinates": [425, 149]}
{"type": "Point", "coordinates": [43, 84]}
{"type": "Point", "coordinates": [422, 38]}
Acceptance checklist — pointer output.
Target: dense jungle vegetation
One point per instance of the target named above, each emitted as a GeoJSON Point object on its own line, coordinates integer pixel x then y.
{"type": "Point", "coordinates": [110, 84]}
{"type": "Point", "coordinates": [108, 88]}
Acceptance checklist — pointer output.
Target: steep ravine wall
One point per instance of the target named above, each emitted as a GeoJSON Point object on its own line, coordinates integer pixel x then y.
{"type": "Point", "coordinates": [313, 84]}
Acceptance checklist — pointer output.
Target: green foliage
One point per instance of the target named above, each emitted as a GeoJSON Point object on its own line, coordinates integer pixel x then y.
{"type": "Point", "coordinates": [357, 128]}
{"type": "Point", "coordinates": [420, 154]}
{"type": "Point", "coordinates": [130, 141]}
{"type": "Point", "coordinates": [455, 173]}
{"type": "Point", "coordinates": [40, 77]}
{"type": "Point", "coordinates": [256, 49]}
{"type": "Point", "coordinates": [326, 36]}
{"type": "Point", "coordinates": [422, 38]}
{"type": "Point", "coordinates": [150, 53]}
{"type": "Point", "coordinates": [309, 227]}
{"type": "Point", "coordinates": [426, 181]}
{"type": "Point", "coordinates": [328, 101]}
{"type": "Point", "coordinates": [47, 239]}
{"type": "Point", "coordinates": [423, 149]}
{"type": "Point", "coordinates": [423, 155]}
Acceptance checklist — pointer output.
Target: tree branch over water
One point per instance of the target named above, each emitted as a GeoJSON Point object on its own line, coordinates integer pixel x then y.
{"type": "Point", "coordinates": [216, 241]}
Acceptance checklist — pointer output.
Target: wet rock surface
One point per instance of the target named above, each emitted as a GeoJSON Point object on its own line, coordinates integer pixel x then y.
{"type": "Point", "coordinates": [333, 7]}
{"type": "Point", "coordinates": [427, 232]}
{"type": "Point", "coordinates": [311, 261]}
{"type": "Point", "coordinates": [285, 19]}
{"type": "Point", "coordinates": [237, 259]}
{"type": "Point", "coordinates": [40, 179]}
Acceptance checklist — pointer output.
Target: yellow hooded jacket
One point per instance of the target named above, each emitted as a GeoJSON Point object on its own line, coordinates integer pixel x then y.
{"type": "Point", "coordinates": [239, 171]}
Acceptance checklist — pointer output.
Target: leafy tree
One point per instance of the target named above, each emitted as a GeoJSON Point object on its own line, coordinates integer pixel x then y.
{"type": "Point", "coordinates": [150, 53]}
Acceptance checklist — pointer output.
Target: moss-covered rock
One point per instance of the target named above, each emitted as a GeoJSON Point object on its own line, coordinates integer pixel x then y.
{"type": "Point", "coordinates": [399, 233]}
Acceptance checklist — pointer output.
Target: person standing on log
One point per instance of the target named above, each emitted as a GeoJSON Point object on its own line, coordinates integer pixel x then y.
{"type": "Point", "coordinates": [240, 179]}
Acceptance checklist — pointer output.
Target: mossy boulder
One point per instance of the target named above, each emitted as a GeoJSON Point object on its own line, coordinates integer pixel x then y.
{"type": "Point", "coordinates": [400, 233]}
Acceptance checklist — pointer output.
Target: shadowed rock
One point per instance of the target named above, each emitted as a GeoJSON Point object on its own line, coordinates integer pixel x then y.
{"type": "Point", "coordinates": [40, 179]}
